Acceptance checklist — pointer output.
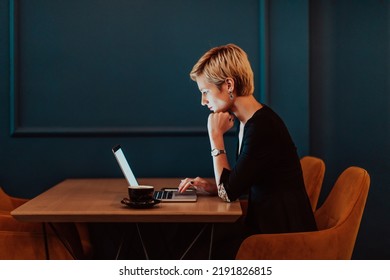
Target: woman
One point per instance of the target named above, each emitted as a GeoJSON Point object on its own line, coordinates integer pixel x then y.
{"type": "Point", "coordinates": [267, 168]}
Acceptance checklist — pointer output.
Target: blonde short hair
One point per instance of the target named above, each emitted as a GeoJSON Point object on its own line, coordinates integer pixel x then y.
{"type": "Point", "coordinates": [223, 62]}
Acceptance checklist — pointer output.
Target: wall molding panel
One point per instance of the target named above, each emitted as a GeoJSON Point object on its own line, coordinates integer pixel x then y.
{"type": "Point", "coordinates": [71, 74]}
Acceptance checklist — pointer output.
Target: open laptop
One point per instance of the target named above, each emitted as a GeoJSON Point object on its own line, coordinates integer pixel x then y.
{"type": "Point", "coordinates": [164, 195]}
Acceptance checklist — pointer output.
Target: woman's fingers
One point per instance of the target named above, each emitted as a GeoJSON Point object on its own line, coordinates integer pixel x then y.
{"type": "Point", "coordinates": [196, 183]}
{"type": "Point", "coordinates": [185, 184]}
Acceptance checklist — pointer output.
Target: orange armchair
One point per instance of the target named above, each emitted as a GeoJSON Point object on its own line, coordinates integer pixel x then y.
{"type": "Point", "coordinates": [26, 241]}
{"type": "Point", "coordinates": [313, 170]}
{"type": "Point", "coordinates": [338, 221]}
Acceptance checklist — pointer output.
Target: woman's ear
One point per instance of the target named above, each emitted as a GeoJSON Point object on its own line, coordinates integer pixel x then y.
{"type": "Point", "coordinates": [230, 84]}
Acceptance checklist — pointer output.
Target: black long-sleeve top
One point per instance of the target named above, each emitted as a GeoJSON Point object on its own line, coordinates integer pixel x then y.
{"type": "Point", "coordinates": [268, 170]}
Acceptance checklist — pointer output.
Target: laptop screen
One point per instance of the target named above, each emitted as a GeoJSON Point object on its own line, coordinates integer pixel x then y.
{"type": "Point", "coordinates": [124, 165]}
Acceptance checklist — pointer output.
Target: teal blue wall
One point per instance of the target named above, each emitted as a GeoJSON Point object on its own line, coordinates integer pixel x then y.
{"type": "Point", "coordinates": [78, 77]}
{"type": "Point", "coordinates": [288, 85]}
{"type": "Point", "coordinates": [82, 76]}
{"type": "Point", "coordinates": [350, 104]}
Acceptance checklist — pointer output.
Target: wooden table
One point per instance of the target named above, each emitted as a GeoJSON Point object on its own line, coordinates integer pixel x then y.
{"type": "Point", "coordinates": [99, 200]}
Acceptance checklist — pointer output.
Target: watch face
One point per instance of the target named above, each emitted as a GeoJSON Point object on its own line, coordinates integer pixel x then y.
{"type": "Point", "coordinates": [216, 152]}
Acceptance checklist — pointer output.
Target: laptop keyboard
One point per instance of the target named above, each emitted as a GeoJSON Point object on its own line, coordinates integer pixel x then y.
{"type": "Point", "coordinates": [163, 194]}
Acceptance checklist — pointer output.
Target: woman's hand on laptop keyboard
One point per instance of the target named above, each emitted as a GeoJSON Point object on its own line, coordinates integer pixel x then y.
{"type": "Point", "coordinates": [199, 184]}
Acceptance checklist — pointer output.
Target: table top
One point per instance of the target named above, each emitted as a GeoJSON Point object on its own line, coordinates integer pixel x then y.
{"type": "Point", "coordinates": [99, 200]}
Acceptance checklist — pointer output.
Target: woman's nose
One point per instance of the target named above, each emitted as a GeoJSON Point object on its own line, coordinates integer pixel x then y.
{"type": "Point", "coordinates": [203, 100]}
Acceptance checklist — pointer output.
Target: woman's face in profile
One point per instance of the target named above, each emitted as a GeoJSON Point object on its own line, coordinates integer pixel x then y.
{"type": "Point", "coordinates": [217, 100]}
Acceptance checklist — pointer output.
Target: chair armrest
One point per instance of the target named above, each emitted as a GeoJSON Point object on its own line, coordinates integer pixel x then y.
{"type": "Point", "coordinates": [9, 223]}
{"type": "Point", "coordinates": [294, 246]}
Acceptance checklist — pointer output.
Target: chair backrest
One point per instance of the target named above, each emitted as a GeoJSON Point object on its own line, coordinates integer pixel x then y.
{"type": "Point", "coordinates": [342, 210]}
{"type": "Point", "coordinates": [346, 200]}
{"type": "Point", "coordinates": [5, 201]}
{"type": "Point", "coordinates": [313, 169]}
{"type": "Point", "coordinates": [9, 203]}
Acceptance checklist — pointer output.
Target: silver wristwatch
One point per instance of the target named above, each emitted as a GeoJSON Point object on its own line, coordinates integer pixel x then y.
{"type": "Point", "coordinates": [216, 152]}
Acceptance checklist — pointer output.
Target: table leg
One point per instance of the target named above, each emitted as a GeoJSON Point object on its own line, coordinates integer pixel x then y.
{"type": "Point", "coordinates": [65, 242]}
{"type": "Point", "coordinates": [142, 242]}
{"type": "Point", "coordinates": [185, 252]}
{"type": "Point", "coordinates": [46, 243]}
{"type": "Point", "coordinates": [120, 245]}
{"type": "Point", "coordinates": [193, 242]}
{"type": "Point", "coordinates": [211, 240]}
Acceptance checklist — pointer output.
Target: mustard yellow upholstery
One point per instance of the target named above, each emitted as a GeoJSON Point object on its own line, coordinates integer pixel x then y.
{"type": "Point", "coordinates": [25, 241]}
{"type": "Point", "coordinates": [338, 220]}
{"type": "Point", "coordinates": [313, 170]}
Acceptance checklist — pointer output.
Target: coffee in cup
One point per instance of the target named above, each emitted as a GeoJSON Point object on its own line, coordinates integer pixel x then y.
{"type": "Point", "coordinates": [141, 194]}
